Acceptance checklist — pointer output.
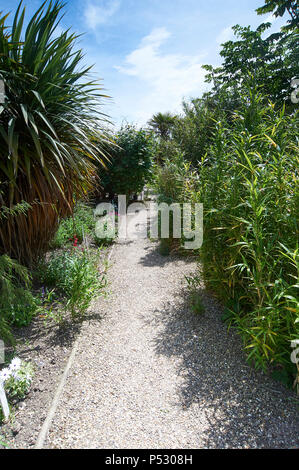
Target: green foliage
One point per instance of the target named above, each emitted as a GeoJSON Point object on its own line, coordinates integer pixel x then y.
{"type": "Point", "coordinates": [172, 183]}
{"type": "Point", "coordinates": [76, 277]}
{"type": "Point", "coordinates": [279, 8]}
{"type": "Point", "coordinates": [165, 246]}
{"type": "Point", "coordinates": [194, 131]}
{"type": "Point", "coordinates": [271, 61]}
{"type": "Point", "coordinates": [194, 295]}
{"type": "Point", "coordinates": [21, 308]}
{"type": "Point", "coordinates": [18, 384]}
{"type": "Point", "coordinates": [107, 227]}
{"type": "Point", "coordinates": [17, 304]}
{"type": "Point", "coordinates": [249, 253]}
{"type": "Point", "coordinates": [241, 144]}
{"type": "Point", "coordinates": [247, 181]}
{"type": "Point", "coordinates": [81, 223]}
{"type": "Point", "coordinates": [131, 162]}
{"type": "Point", "coordinates": [51, 110]}
{"type": "Point", "coordinates": [168, 182]}
{"type": "Point", "coordinates": [162, 124]}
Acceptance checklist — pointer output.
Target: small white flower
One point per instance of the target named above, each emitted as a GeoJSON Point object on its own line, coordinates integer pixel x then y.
{"type": "Point", "coordinates": [5, 374]}
{"type": "Point", "coordinates": [15, 363]}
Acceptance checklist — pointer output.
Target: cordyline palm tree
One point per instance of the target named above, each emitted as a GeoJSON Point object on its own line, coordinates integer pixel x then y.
{"type": "Point", "coordinates": [162, 124]}
{"type": "Point", "coordinates": [50, 112]}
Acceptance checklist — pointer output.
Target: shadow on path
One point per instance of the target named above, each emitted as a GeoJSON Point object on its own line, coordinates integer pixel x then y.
{"type": "Point", "coordinates": [244, 407]}
{"type": "Point", "coordinates": [153, 257]}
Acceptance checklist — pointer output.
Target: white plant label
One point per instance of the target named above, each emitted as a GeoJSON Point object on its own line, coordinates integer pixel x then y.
{"type": "Point", "coordinates": [3, 401]}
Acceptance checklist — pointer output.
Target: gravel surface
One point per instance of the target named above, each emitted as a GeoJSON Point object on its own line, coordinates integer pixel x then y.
{"type": "Point", "coordinates": [47, 347]}
{"type": "Point", "coordinates": [153, 374]}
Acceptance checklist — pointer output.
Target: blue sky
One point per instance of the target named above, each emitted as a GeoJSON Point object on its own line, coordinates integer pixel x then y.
{"type": "Point", "coordinates": [148, 53]}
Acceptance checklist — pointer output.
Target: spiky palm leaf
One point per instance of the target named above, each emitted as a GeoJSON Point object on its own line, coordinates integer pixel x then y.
{"type": "Point", "coordinates": [50, 111]}
{"type": "Point", "coordinates": [162, 124]}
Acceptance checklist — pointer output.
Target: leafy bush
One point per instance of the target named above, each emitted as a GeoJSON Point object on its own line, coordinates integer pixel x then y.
{"type": "Point", "coordinates": [193, 131]}
{"type": "Point", "coordinates": [172, 183]}
{"type": "Point", "coordinates": [162, 125]}
{"type": "Point", "coordinates": [107, 226]}
{"type": "Point", "coordinates": [17, 378]}
{"type": "Point", "coordinates": [22, 308]}
{"type": "Point", "coordinates": [131, 163]}
{"type": "Point", "coordinates": [76, 276]}
{"type": "Point", "coordinates": [195, 299]}
{"type": "Point", "coordinates": [169, 180]}
{"type": "Point", "coordinates": [17, 304]}
{"type": "Point", "coordinates": [247, 183]}
{"type": "Point", "coordinates": [81, 223]}
{"type": "Point", "coordinates": [250, 253]}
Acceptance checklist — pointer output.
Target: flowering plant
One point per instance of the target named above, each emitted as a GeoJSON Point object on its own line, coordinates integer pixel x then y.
{"type": "Point", "coordinates": [17, 378]}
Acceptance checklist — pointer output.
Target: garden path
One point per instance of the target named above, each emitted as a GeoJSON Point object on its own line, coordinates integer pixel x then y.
{"type": "Point", "coordinates": [150, 373]}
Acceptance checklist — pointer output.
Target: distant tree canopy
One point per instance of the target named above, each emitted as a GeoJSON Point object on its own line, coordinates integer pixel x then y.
{"type": "Point", "coordinates": [263, 63]}
{"type": "Point", "coordinates": [272, 61]}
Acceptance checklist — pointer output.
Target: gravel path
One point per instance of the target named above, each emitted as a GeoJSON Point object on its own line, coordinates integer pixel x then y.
{"type": "Point", "coordinates": [152, 374]}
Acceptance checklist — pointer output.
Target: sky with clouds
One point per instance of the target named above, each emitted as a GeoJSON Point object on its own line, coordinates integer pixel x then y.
{"type": "Point", "coordinates": [149, 54]}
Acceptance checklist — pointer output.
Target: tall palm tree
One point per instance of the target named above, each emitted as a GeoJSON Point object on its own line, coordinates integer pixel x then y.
{"type": "Point", "coordinates": [51, 110]}
{"type": "Point", "coordinates": [162, 124]}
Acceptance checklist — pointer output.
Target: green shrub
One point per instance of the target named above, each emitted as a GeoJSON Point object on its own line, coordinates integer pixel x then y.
{"type": "Point", "coordinates": [100, 241]}
{"type": "Point", "coordinates": [79, 225]}
{"type": "Point", "coordinates": [17, 304]}
{"type": "Point", "coordinates": [75, 275]}
{"type": "Point", "coordinates": [195, 299]}
{"type": "Point", "coordinates": [22, 308]}
{"type": "Point", "coordinates": [248, 184]}
{"type": "Point", "coordinates": [250, 249]}
{"type": "Point", "coordinates": [131, 162]}
{"type": "Point", "coordinates": [18, 380]}
{"type": "Point", "coordinates": [172, 183]}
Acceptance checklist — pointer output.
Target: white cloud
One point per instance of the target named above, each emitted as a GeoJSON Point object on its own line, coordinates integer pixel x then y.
{"type": "Point", "coordinates": [167, 78]}
{"type": "Point", "coordinates": [99, 12]}
{"type": "Point", "coordinates": [225, 35]}
{"type": "Point", "coordinates": [270, 18]}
